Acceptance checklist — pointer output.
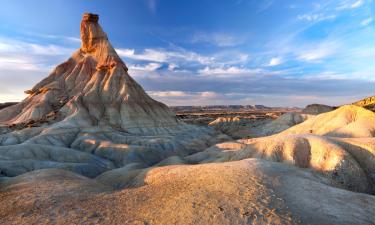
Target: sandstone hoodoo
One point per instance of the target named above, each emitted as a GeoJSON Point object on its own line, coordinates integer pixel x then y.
{"type": "Point", "coordinates": [93, 87]}
{"type": "Point", "coordinates": [89, 116]}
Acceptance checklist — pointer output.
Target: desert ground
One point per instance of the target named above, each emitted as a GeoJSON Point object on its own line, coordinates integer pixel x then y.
{"type": "Point", "coordinates": [90, 146]}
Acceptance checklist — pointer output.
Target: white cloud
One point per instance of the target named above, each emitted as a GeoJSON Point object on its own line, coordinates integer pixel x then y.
{"type": "Point", "coordinates": [151, 5]}
{"type": "Point", "coordinates": [147, 67]}
{"type": "Point", "coordinates": [179, 57]}
{"type": "Point", "coordinates": [165, 56]}
{"type": "Point", "coordinates": [315, 17]}
{"type": "Point", "coordinates": [315, 52]}
{"type": "Point", "coordinates": [314, 55]}
{"type": "Point", "coordinates": [366, 21]}
{"type": "Point", "coordinates": [208, 94]}
{"type": "Point", "coordinates": [264, 5]}
{"type": "Point", "coordinates": [183, 94]}
{"type": "Point", "coordinates": [26, 48]}
{"type": "Point", "coordinates": [71, 39]}
{"type": "Point", "coordinates": [168, 93]}
{"type": "Point", "coordinates": [218, 39]}
{"type": "Point", "coordinates": [275, 61]}
{"type": "Point", "coordinates": [19, 55]}
{"type": "Point", "coordinates": [350, 4]}
{"type": "Point", "coordinates": [147, 55]}
{"type": "Point", "coordinates": [230, 70]}
{"type": "Point", "coordinates": [189, 98]}
{"type": "Point", "coordinates": [357, 4]}
{"type": "Point", "coordinates": [172, 67]}
{"type": "Point", "coordinates": [19, 63]}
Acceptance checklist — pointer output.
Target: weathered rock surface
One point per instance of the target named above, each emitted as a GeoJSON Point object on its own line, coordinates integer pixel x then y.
{"type": "Point", "coordinates": [368, 103]}
{"type": "Point", "coordinates": [92, 88]}
{"type": "Point", "coordinates": [282, 123]}
{"type": "Point", "coordinates": [240, 127]}
{"type": "Point", "coordinates": [344, 153]}
{"type": "Point", "coordinates": [346, 121]}
{"type": "Point", "coordinates": [316, 109]}
{"type": "Point", "coordinates": [250, 191]}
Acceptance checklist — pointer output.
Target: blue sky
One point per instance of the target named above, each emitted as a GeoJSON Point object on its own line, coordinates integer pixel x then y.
{"type": "Point", "coordinates": [200, 52]}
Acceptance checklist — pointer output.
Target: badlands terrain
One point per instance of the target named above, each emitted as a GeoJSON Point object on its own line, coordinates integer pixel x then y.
{"type": "Point", "coordinates": [89, 146]}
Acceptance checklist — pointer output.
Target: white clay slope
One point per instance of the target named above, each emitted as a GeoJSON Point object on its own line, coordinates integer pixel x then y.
{"type": "Point", "coordinates": [346, 121]}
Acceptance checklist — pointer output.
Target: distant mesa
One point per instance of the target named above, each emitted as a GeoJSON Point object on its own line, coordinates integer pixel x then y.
{"type": "Point", "coordinates": [7, 104]}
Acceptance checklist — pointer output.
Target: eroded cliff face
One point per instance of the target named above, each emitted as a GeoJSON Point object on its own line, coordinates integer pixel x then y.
{"type": "Point", "coordinates": [92, 88]}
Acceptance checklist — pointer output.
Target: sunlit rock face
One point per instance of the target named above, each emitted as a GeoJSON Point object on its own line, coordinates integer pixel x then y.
{"type": "Point", "coordinates": [339, 145]}
{"type": "Point", "coordinates": [90, 116]}
{"type": "Point", "coordinates": [92, 88]}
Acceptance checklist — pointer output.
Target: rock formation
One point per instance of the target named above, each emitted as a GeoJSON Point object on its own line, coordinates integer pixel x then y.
{"type": "Point", "coordinates": [339, 145]}
{"type": "Point", "coordinates": [316, 109]}
{"type": "Point", "coordinates": [368, 103]}
{"type": "Point", "coordinates": [346, 121]}
{"type": "Point", "coordinates": [92, 88]}
{"type": "Point", "coordinates": [250, 191]}
{"type": "Point", "coordinates": [240, 127]}
{"type": "Point", "coordinates": [89, 116]}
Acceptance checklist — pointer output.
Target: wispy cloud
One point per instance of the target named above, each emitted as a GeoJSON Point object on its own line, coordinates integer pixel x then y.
{"type": "Point", "coordinates": [225, 71]}
{"type": "Point", "coordinates": [11, 46]}
{"type": "Point", "coordinates": [264, 5]}
{"type": "Point", "coordinates": [20, 55]}
{"type": "Point", "coordinates": [350, 4]}
{"type": "Point", "coordinates": [275, 61]}
{"type": "Point", "coordinates": [367, 21]}
{"type": "Point", "coordinates": [147, 67]}
{"type": "Point", "coordinates": [315, 54]}
{"type": "Point", "coordinates": [315, 17]}
{"type": "Point", "coordinates": [169, 93]}
{"type": "Point", "coordinates": [62, 38]}
{"type": "Point", "coordinates": [218, 39]}
{"type": "Point", "coordinates": [151, 5]}
{"type": "Point", "coordinates": [178, 57]}
{"type": "Point", "coordinates": [146, 55]}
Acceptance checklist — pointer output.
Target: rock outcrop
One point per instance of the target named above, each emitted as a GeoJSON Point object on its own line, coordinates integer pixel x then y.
{"type": "Point", "coordinates": [368, 103]}
{"type": "Point", "coordinates": [92, 88]}
{"type": "Point", "coordinates": [246, 127]}
{"type": "Point", "coordinates": [346, 121]}
{"type": "Point", "coordinates": [89, 116]}
{"type": "Point", "coordinates": [339, 145]}
{"type": "Point", "coordinates": [250, 191]}
{"type": "Point", "coordinates": [316, 109]}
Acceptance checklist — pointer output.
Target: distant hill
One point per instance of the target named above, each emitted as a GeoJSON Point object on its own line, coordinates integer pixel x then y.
{"type": "Point", "coordinates": [6, 104]}
{"type": "Point", "coordinates": [228, 108]}
{"type": "Point", "coordinates": [316, 109]}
